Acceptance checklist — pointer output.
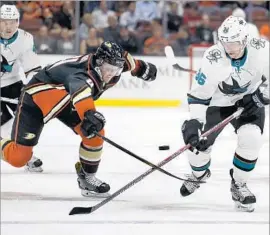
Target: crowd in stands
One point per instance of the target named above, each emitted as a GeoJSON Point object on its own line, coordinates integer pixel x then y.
{"type": "Point", "coordinates": [141, 27]}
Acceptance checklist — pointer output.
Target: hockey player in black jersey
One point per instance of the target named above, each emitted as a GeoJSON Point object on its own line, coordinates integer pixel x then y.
{"type": "Point", "coordinates": [66, 90]}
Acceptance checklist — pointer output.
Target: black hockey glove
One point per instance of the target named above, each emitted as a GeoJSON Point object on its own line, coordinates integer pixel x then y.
{"type": "Point", "coordinates": [93, 121]}
{"type": "Point", "coordinates": [145, 71]}
{"type": "Point", "coordinates": [191, 130]}
{"type": "Point", "coordinates": [252, 103]}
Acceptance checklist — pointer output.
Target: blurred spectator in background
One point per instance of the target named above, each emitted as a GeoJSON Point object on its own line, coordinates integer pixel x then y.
{"type": "Point", "coordinates": [204, 34]}
{"type": "Point", "coordinates": [44, 43]}
{"type": "Point", "coordinates": [47, 17]}
{"type": "Point", "coordinates": [119, 7]}
{"type": "Point", "coordinates": [30, 10]}
{"type": "Point", "coordinates": [128, 41]}
{"type": "Point", "coordinates": [65, 44]}
{"type": "Point", "coordinates": [55, 30]}
{"type": "Point", "coordinates": [65, 16]}
{"type": "Point", "coordinates": [155, 44]}
{"type": "Point", "coordinates": [49, 8]}
{"type": "Point", "coordinates": [192, 19]}
{"type": "Point", "coordinates": [92, 42]}
{"type": "Point", "coordinates": [174, 19]}
{"type": "Point", "coordinates": [100, 16]}
{"type": "Point", "coordinates": [252, 28]}
{"type": "Point", "coordinates": [87, 23]}
{"type": "Point", "coordinates": [180, 41]}
{"type": "Point", "coordinates": [90, 6]}
{"type": "Point", "coordinates": [265, 31]}
{"type": "Point", "coordinates": [233, 4]}
{"type": "Point", "coordinates": [129, 18]}
{"type": "Point", "coordinates": [146, 10]}
{"type": "Point", "coordinates": [111, 33]}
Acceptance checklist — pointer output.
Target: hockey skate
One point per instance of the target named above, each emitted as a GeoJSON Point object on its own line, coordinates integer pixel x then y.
{"type": "Point", "coordinates": [34, 165]}
{"type": "Point", "coordinates": [90, 185]}
{"type": "Point", "coordinates": [241, 195]}
{"type": "Point", "coordinates": [189, 187]}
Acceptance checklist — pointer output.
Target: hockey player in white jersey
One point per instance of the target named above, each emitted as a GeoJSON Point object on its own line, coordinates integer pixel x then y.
{"type": "Point", "coordinates": [19, 63]}
{"type": "Point", "coordinates": [230, 77]}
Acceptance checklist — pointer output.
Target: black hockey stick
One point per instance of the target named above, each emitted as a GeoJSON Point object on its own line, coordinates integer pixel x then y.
{"type": "Point", "coordinates": [142, 159]}
{"type": "Point", "coordinates": [170, 56]}
{"type": "Point", "coordinates": [88, 210]}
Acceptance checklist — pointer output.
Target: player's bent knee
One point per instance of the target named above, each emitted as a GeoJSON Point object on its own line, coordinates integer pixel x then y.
{"type": "Point", "coordinates": [16, 155]}
{"type": "Point", "coordinates": [249, 141]}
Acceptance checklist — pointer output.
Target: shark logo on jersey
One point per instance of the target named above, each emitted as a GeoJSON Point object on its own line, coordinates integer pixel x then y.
{"type": "Point", "coordinates": [233, 89]}
{"type": "Point", "coordinates": [257, 43]}
{"type": "Point", "coordinates": [214, 55]}
{"type": "Point", "coordinates": [5, 66]}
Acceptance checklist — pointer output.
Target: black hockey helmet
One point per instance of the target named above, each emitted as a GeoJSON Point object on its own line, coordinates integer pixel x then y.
{"type": "Point", "coordinates": [111, 53]}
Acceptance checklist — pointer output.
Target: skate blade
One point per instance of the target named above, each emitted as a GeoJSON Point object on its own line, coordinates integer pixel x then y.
{"type": "Point", "coordinates": [92, 194]}
{"type": "Point", "coordinates": [33, 169]}
{"type": "Point", "coordinates": [244, 207]}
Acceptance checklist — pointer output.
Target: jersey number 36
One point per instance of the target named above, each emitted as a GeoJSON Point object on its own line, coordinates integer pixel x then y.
{"type": "Point", "coordinates": [200, 78]}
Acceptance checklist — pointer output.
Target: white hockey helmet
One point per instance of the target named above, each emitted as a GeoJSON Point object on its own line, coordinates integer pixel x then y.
{"type": "Point", "coordinates": [233, 29]}
{"type": "Point", "coordinates": [9, 12]}
{"type": "Point", "coordinates": [233, 36]}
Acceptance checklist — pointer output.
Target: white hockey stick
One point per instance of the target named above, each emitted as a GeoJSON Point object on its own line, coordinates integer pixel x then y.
{"type": "Point", "coordinates": [170, 56]}
{"type": "Point", "coordinates": [8, 100]}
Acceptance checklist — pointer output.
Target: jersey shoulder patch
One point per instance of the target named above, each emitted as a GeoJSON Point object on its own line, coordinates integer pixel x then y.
{"type": "Point", "coordinates": [213, 54]}
{"type": "Point", "coordinates": [258, 43]}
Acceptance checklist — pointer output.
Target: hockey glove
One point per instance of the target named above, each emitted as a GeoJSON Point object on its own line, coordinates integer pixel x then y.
{"type": "Point", "coordinates": [252, 103]}
{"type": "Point", "coordinates": [93, 121]}
{"type": "Point", "coordinates": [145, 71]}
{"type": "Point", "coordinates": [191, 130]}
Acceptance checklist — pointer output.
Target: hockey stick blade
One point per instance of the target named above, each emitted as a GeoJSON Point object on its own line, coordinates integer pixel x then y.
{"type": "Point", "coordinates": [171, 57]}
{"type": "Point", "coordinates": [178, 67]}
{"type": "Point", "coordinates": [80, 210]}
{"type": "Point", "coordinates": [144, 160]}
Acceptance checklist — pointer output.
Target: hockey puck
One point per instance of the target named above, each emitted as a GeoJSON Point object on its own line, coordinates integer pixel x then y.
{"type": "Point", "coordinates": [164, 147]}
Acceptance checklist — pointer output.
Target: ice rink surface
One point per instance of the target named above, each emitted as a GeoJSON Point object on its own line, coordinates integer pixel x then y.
{"type": "Point", "coordinates": [38, 204]}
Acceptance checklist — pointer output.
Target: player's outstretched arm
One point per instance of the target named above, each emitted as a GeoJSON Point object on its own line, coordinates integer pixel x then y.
{"type": "Point", "coordinates": [139, 68]}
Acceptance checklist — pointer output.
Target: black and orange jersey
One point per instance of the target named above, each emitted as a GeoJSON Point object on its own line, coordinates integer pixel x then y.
{"type": "Point", "coordinates": [74, 79]}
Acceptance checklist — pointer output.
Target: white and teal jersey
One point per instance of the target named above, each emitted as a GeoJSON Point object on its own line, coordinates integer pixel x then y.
{"type": "Point", "coordinates": [17, 57]}
{"type": "Point", "coordinates": [222, 81]}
